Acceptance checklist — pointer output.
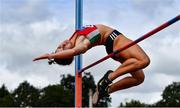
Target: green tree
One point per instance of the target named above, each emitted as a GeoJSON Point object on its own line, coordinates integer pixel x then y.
{"type": "Point", "coordinates": [68, 82]}
{"type": "Point", "coordinates": [133, 103]}
{"type": "Point", "coordinates": [3, 91]}
{"type": "Point", "coordinates": [6, 100]}
{"type": "Point", "coordinates": [56, 96]}
{"type": "Point", "coordinates": [171, 96]}
{"type": "Point", "coordinates": [89, 83]}
{"type": "Point", "coordinates": [26, 95]}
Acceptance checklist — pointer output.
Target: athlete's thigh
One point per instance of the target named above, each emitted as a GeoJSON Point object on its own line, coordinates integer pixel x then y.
{"type": "Point", "coordinates": [134, 51]}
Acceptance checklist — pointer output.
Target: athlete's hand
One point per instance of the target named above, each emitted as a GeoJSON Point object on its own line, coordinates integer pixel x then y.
{"type": "Point", "coordinates": [45, 56]}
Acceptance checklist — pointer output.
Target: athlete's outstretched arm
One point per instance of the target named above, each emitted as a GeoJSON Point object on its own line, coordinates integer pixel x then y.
{"type": "Point", "coordinates": [79, 49]}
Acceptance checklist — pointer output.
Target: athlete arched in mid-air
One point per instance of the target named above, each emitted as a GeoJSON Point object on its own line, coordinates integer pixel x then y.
{"type": "Point", "coordinates": [133, 60]}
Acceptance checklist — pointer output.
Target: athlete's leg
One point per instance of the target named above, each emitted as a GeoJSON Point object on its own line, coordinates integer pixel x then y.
{"type": "Point", "coordinates": [135, 79]}
{"type": "Point", "coordinates": [129, 66]}
{"type": "Point", "coordinates": [132, 66]}
{"type": "Point", "coordinates": [133, 61]}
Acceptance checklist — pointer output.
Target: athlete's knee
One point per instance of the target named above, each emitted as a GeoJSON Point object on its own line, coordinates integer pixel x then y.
{"type": "Point", "coordinates": [139, 76]}
{"type": "Point", "coordinates": [140, 79]}
{"type": "Point", "coordinates": [146, 61]}
{"type": "Point", "coordinates": [142, 63]}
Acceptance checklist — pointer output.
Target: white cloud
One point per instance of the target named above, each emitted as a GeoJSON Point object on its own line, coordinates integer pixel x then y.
{"type": "Point", "coordinates": [23, 11]}
{"type": "Point", "coordinates": [21, 43]}
{"type": "Point", "coordinates": [12, 79]}
{"type": "Point", "coordinates": [163, 80]}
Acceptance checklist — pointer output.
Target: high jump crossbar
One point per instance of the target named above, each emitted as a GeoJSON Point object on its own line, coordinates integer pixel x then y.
{"type": "Point", "coordinates": [161, 27]}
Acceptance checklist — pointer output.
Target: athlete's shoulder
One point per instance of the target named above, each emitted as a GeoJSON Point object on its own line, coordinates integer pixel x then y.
{"type": "Point", "coordinates": [102, 26]}
{"type": "Point", "coordinates": [95, 25]}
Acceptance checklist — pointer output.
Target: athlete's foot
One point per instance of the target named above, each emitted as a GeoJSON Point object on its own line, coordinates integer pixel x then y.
{"type": "Point", "coordinates": [102, 88]}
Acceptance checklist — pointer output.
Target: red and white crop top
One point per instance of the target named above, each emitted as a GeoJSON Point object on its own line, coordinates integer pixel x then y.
{"type": "Point", "coordinates": [89, 31]}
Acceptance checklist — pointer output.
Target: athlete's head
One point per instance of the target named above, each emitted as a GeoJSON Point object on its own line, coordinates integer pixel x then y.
{"type": "Point", "coordinates": [65, 61]}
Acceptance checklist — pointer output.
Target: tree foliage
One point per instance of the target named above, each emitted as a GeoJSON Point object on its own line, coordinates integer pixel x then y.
{"type": "Point", "coordinates": [56, 95]}
{"type": "Point", "coordinates": [62, 95]}
{"type": "Point", "coordinates": [171, 96]}
{"type": "Point", "coordinates": [133, 103]}
{"type": "Point", "coordinates": [3, 91]}
{"type": "Point", "coordinates": [25, 95]}
{"type": "Point", "coordinates": [6, 99]}
{"type": "Point", "coordinates": [89, 84]}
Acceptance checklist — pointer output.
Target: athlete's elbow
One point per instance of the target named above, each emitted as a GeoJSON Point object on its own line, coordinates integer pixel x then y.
{"type": "Point", "coordinates": [80, 51]}
{"type": "Point", "coordinates": [74, 52]}
{"type": "Point", "coordinates": [85, 48]}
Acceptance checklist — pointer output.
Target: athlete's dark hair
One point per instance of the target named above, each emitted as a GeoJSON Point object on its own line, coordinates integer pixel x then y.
{"type": "Point", "coordinates": [65, 61]}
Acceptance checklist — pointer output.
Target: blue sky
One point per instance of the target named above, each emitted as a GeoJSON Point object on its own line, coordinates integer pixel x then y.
{"type": "Point", "coordinates": [32, 27]}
